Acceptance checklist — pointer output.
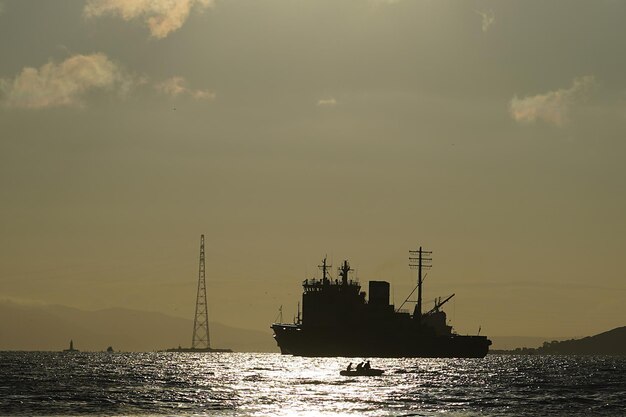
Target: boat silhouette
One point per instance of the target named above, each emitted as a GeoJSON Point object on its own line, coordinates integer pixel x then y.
{"type": "Point", "coordinates": [337, 320]}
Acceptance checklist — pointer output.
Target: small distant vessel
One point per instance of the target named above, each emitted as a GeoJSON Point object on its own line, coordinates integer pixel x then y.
{"type": "Point", "coordinates": [362, 372]}
{"type": "Point", "coordinates": [71, 348]}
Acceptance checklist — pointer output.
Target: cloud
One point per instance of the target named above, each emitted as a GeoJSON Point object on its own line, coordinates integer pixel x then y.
{"type": "Point", "coordinates": [161, 16]}
{"type": "Point", "coordinates": [327, 102]}
{"type": "Point", "coordinates": [489, 18]}
{"type": "Point", "coordinates": [553, 106]}
{"type": "Point", "coordinates": [176, 86]}
{"type": "Point", "coordinates": [64, 84]}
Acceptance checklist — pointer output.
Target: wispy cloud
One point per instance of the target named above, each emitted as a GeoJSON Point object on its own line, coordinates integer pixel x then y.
{"type": "Point", "coordinates": [176, 86]}
{"type": "Point", "coordinates": [553, 106]}
{"type": "Point", "coordinates": [327, 102]}
{"type": "Point", "coordinates": [161, 16]}
{"type": "Point", "coordinates": [62, 84]}
{"type": "Point", "coordinates": [488, 18]}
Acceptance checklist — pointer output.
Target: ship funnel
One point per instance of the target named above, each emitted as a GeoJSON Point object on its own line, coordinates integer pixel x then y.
{"type": "Point", "coordinates": [379, 293]}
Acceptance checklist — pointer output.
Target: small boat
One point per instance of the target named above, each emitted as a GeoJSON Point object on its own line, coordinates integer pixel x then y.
{"type": "Point", "coordinates": [362, 372]}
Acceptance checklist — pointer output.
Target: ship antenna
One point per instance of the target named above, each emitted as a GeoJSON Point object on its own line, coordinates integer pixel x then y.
{"type": "Point", "coordinates": [279, 316]}
{"type": "Point", "coordinates": [324, 267]}
{"type": "Point", "coordinates": [200, 339]}
{"type": "Point", "coordinates": [420, 262]}
{"type": "Point", "coordinates": [298, 312]}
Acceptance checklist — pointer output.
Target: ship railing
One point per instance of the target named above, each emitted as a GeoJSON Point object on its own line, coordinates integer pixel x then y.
{"type": "Point", "coordinates": [318, 283]}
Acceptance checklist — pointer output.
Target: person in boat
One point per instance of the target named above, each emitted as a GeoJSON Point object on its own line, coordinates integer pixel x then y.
{"type": "Point", "coordinates": [359, 367]}
{"type": "Point", "coordinates": [349, 368]}
{"type": "Point", "coordinates": [367, 366]}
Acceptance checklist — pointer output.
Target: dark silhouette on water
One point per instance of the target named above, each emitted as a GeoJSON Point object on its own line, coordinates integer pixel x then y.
{"type": "Point", "coordinates": [71, 348]}
{"type": "Point", "coordinates": [200, 341]}
{"type": "Point", "coordinates": [362, 369]}
{"type": "Point", "coordinates": [338, 321]}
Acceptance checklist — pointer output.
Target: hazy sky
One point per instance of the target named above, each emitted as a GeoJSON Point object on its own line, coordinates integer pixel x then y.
{"type": "Point", "coordinates": [491, 132]}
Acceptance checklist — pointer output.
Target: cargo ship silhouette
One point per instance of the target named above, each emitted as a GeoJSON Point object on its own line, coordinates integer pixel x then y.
{"type": "Point", "coordinates": [337, 320]}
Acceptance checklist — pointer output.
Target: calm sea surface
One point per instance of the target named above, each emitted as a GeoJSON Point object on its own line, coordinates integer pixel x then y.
{"type": "Point", "coordinates": [241, 384]}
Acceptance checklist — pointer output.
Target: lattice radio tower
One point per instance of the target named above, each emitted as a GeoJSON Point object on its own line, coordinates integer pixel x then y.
{"type": "Point", "coordinates": [201, 321]}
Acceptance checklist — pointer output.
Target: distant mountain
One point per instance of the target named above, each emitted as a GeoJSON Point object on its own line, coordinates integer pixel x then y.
{"type": "Point", "coordinates": [48, 327]}
{"type": "Point", "coordinates": [612, 342]}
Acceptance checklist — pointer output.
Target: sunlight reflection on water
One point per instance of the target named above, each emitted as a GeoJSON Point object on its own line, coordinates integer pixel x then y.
{"type": "Point", "coordinates": [275, 385]}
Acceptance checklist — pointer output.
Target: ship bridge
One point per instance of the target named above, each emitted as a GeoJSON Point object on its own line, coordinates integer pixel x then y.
{"type": "Point", "coordinates": [331, 301]}
{"type": "Point", "coordinates": [340, 302]}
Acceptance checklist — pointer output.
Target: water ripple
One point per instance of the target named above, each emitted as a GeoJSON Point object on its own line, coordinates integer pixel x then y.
{"type": "Point", "coordinates": [189, 384]}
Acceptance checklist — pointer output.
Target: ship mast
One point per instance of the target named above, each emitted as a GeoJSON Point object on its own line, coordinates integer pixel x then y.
{"type": "Point", "coordinates": [343, 272]}
{"type": "Point", "coordinates": [324, 267]}
{"type": "Point", "coordinates": [419, 262]}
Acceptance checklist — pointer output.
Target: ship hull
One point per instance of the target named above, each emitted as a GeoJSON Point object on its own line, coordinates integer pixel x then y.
{"type": "Point", "coordinates": [301, 341]}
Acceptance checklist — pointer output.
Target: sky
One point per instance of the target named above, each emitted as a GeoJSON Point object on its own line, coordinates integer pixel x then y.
{"type": "Point", "coordinates": [489, 132]}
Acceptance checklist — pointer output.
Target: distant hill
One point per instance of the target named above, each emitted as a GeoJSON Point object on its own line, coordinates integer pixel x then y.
{"type": "Point", "coordinates": [512, 342]}
{"type": "Point", "coordinates": [50, 327]}
{"type": "Point", "coordinates": [612, 342]}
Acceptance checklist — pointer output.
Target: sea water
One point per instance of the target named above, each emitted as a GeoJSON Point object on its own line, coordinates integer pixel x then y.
{"type": "Point", "coordinates": [251, 384]}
